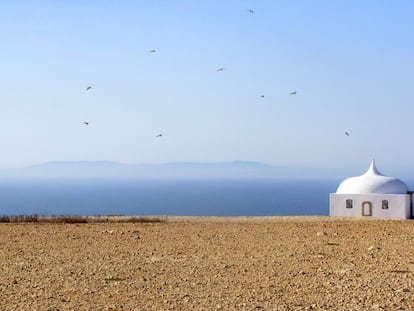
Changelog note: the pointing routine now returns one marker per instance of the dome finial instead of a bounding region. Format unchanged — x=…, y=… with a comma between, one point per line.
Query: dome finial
x=373, y=169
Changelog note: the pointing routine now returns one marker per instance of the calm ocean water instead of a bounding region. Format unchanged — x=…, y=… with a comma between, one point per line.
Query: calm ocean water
x=168, y=197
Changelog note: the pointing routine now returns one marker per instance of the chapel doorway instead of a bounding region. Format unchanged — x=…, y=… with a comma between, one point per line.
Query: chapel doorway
x=366, y=208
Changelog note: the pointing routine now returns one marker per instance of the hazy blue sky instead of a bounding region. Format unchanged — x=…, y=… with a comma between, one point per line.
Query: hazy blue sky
x=351, y=63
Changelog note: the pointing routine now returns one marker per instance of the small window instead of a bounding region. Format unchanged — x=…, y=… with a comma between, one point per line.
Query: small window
x=348, y=203
x=384, y=204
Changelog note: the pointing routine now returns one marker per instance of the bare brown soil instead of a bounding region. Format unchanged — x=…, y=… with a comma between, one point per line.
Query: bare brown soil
x=270, y=263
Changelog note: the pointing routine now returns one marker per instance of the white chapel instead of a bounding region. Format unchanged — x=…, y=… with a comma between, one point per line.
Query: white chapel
x=371, y=195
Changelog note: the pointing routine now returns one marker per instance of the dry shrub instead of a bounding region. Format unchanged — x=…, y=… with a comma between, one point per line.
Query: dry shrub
x=19, y=218
x=4, y=219
x=28, y=218
x=79, y=219
x=67, y=219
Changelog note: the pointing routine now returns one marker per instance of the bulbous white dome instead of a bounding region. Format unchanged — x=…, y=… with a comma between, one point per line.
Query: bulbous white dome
x=372, y=182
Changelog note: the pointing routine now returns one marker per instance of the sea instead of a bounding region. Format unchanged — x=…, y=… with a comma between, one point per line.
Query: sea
x=91, y=197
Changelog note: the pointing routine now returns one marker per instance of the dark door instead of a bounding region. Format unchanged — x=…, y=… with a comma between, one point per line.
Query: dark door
x=366, y=208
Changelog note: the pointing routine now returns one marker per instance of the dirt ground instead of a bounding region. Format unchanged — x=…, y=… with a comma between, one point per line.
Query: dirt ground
x=265, y=263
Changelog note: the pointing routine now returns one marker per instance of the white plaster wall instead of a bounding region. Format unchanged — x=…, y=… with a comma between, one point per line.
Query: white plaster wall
x=398, y=205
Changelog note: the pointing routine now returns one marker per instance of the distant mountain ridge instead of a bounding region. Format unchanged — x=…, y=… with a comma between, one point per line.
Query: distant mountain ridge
x=170, y=170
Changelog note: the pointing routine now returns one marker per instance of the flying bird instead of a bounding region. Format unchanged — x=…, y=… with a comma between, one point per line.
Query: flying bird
x=346, y=133
x=251, y=11
x=86, y=123
x=88, y=88
x=292, y=93
x=152, y=51
x=262, y=96
x=220, y=69
x=159, y=135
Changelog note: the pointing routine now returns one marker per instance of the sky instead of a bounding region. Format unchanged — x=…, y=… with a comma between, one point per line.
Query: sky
x=350, y=63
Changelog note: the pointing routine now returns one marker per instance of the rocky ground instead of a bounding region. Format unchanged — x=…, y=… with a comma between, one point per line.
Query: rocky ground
x=270, y=263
